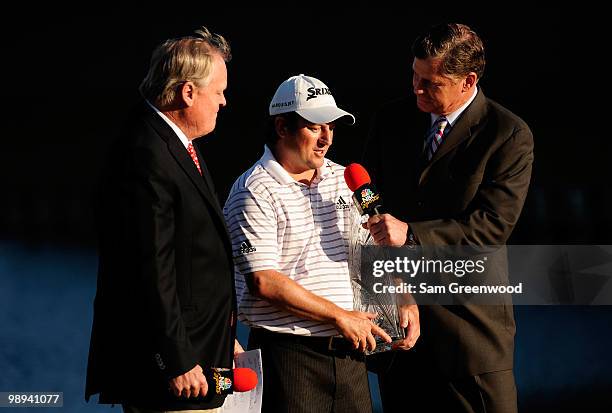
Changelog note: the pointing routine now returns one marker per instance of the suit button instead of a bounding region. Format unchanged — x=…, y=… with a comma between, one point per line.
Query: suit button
x=160, y=362
x=420, y=204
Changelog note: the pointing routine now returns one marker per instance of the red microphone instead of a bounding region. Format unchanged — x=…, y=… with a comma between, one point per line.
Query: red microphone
x=365, y=195
x=227, y=381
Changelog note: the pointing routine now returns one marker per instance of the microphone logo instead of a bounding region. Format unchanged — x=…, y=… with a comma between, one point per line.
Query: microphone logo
x=367, y=198
x=222, y=383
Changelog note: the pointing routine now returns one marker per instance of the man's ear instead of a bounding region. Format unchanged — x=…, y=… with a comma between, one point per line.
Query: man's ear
x=187, y=93
x=280, y=125
x=470, y=81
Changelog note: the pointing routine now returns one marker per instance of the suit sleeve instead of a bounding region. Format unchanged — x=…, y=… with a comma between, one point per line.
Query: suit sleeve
x=496, y=207
x=152, y=213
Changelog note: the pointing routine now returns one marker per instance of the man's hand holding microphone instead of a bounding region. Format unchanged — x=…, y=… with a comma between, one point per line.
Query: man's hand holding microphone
x=197, y=382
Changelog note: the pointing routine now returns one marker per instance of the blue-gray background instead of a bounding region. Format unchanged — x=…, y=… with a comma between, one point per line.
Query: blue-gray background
x=71, y=76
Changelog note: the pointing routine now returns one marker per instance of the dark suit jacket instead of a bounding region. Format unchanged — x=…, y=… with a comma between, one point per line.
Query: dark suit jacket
x=165, y=297
x=470, y=193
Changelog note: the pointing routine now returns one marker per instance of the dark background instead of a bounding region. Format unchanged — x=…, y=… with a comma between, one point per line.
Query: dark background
x=71, y=76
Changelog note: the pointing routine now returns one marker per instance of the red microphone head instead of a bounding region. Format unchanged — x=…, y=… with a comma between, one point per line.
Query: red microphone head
x=356, y=176
x=245, y=379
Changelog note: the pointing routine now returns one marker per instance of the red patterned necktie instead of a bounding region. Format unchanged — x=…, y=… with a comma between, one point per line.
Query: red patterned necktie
x=436, y=135
x=194, y=156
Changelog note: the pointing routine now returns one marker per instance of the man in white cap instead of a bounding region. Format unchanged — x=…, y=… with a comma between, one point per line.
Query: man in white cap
x=288, y=217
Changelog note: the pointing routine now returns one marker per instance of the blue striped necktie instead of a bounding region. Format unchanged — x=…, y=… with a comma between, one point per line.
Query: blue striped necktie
x=436, y=136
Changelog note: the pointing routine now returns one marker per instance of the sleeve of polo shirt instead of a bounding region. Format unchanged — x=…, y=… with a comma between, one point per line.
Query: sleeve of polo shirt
x=252, y=223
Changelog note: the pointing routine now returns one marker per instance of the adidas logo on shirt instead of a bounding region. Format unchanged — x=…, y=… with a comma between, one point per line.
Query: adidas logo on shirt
x=341, y=203
x=246, y=247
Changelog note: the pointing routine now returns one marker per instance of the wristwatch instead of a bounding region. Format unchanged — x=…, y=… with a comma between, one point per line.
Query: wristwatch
x=411, y=240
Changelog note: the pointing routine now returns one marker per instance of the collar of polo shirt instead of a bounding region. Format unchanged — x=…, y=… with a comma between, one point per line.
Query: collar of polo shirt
x=279, y=173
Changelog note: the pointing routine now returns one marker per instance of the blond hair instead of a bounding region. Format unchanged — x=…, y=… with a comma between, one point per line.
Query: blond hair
x=180, y=60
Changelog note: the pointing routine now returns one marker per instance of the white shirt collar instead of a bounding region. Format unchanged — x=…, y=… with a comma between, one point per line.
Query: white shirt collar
x=276, y=170
x=452, y=117
x=181, y=135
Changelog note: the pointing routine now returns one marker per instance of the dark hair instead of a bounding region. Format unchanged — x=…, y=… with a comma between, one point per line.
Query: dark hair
x=459, y=47
x=292, y=119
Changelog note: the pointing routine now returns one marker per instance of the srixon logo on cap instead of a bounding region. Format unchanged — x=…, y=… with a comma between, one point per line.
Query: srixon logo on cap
x=313, y=92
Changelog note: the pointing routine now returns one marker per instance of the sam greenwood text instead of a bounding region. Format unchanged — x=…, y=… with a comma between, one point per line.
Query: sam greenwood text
x=452, y=288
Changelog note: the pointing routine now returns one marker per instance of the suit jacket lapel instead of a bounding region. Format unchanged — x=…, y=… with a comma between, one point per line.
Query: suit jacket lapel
x=423, y=130
x=461, y=131
x=205, y=171
x=203, y=183
x=209, y=182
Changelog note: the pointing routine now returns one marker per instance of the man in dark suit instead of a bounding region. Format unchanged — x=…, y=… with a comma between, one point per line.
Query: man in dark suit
x=454, y=172
x=165, y=302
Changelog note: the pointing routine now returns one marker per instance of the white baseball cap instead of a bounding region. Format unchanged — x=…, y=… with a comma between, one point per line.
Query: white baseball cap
x=308, y=97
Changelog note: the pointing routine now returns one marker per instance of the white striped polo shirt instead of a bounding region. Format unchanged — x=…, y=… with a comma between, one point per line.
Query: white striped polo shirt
x=277, y=223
